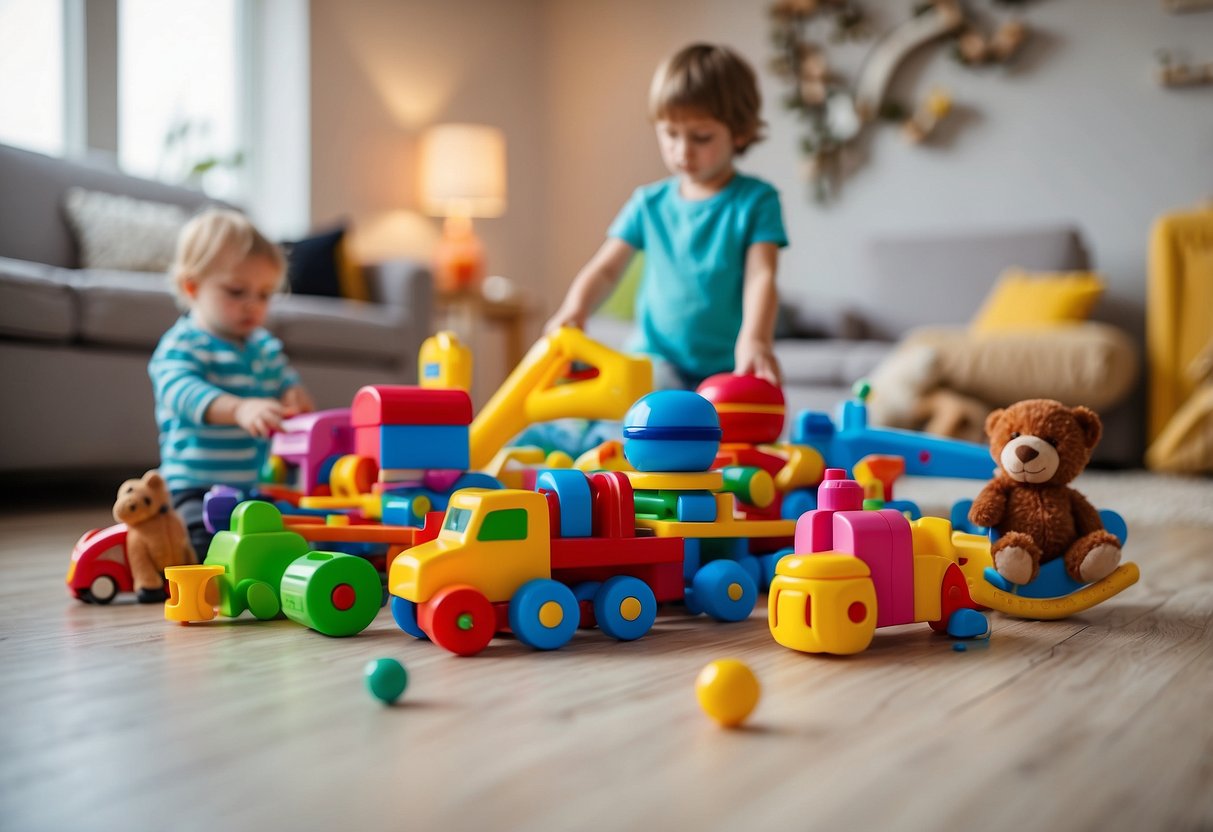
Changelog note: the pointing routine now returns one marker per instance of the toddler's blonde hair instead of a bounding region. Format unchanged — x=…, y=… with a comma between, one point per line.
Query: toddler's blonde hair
x=713, y=80
x=216, y=239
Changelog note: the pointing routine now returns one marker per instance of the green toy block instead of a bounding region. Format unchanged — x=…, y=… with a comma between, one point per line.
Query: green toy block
x=255, y=555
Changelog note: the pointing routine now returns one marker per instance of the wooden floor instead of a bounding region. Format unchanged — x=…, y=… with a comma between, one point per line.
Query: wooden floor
x=111, y=718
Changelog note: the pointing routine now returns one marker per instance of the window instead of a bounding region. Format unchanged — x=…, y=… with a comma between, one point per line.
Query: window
x=31, y=75
x=178, y=98
x=504, y=524
x=457, y=519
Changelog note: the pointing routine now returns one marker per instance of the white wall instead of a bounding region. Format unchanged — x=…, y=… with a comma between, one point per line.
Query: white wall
x=1079, y=131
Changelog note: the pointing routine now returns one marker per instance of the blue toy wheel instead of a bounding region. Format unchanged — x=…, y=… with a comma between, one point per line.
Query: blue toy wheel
x=753, y=568
x=625, y=608
x=404, y=613
x=725, y=591
x=544, y=614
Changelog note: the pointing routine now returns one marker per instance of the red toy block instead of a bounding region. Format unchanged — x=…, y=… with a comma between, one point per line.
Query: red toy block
x=393, y=404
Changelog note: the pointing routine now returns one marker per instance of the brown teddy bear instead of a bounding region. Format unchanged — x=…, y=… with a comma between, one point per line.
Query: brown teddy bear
x=1040, y=445
x=155, y=535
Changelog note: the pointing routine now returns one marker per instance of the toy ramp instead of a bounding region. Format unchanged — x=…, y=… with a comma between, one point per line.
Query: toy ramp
x=1051, y=609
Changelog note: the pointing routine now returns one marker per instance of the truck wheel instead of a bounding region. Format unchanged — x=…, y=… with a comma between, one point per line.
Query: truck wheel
x=725, y=591
x=101, y=591
x=459, y=619
x=332, y=593
x=625, y=608
x=544, y=614
x=404, y=613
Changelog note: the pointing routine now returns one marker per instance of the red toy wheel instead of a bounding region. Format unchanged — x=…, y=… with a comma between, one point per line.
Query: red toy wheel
x=460, y=619
x=953, y=595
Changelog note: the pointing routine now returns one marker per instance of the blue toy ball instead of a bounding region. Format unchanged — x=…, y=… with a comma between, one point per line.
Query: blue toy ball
x=671, y=430
x=386, y=679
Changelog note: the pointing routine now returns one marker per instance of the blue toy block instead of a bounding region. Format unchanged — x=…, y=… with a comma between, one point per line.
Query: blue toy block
x=424, y=447
x=572, y=489
x=697, y=507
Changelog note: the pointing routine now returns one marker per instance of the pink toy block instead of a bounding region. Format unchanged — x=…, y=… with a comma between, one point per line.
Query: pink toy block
x=814, y=529
x=865, y=534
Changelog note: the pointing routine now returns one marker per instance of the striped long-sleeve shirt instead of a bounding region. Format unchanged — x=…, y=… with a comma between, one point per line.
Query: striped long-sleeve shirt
x=190, y=369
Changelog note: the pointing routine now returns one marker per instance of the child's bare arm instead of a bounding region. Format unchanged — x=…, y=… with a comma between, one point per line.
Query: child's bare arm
x=755, y=350
x=260, y=417
x=592, y=284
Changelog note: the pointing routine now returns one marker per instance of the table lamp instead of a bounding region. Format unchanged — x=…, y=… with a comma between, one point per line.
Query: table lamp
x=462, y=177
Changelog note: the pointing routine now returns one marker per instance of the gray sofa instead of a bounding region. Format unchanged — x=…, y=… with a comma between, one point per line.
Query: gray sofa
x=74, y=343
x=928, y=288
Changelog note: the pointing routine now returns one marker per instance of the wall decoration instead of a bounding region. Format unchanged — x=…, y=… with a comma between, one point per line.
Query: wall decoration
x=835, y=112
x=1176, y=71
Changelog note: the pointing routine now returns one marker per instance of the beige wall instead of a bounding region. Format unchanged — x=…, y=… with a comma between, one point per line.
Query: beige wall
x=1078, y=131
x=382, y=71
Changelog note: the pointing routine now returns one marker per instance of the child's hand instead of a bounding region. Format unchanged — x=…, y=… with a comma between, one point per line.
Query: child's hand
x=260, y=417
x=566, y=315
x=757, y=358
x=297, y=400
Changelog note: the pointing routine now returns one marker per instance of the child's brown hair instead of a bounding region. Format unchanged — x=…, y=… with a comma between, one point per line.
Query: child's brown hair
x=713, y=80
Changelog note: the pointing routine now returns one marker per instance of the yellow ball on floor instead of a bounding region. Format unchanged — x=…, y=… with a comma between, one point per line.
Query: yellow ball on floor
x=728, y=691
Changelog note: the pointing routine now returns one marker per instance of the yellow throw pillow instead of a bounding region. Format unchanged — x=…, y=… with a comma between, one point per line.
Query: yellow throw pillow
x=1023, y=300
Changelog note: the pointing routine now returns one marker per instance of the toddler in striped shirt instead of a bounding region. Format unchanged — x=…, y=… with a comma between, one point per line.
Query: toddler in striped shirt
x=222, y=382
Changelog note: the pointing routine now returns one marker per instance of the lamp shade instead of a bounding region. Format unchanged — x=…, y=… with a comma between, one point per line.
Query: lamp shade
x=463, y=171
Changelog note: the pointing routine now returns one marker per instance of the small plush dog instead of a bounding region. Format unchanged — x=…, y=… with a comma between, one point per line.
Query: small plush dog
x=155, y=535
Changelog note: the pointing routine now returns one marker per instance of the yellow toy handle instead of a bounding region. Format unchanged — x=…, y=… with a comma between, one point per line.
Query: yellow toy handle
x=1051, y=609
x=535, y=392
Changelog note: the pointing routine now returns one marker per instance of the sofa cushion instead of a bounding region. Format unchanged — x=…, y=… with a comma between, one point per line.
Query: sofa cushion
x=36, y=301
x=128, y=309
x=114, y=231
x=32, y=227
x=828, y=363
x=328, y=328
x=922, y=280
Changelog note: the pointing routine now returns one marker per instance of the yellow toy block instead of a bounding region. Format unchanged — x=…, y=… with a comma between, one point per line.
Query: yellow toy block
x=822, y=603
x=540, y=390
x=371, y=505
x=445, y=362
x=187, y=588
x=677, y=481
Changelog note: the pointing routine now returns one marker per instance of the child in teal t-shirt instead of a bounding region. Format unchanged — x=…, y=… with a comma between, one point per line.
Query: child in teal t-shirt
x=711, y=236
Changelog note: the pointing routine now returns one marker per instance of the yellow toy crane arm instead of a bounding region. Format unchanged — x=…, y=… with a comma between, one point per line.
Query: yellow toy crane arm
x=537, y=392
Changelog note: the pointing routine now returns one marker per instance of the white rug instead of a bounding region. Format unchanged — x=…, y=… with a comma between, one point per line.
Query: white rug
x=1139, y=496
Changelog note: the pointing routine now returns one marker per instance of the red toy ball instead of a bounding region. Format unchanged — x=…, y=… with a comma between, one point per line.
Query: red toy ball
x=751, y=409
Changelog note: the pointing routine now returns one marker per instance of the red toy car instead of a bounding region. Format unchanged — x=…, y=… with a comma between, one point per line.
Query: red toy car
x=99, y=570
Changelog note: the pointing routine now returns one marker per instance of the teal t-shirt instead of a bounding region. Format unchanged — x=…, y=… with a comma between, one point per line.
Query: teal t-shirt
x=688, y=309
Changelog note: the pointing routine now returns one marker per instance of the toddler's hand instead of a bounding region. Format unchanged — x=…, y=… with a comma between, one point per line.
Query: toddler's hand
x=297, y=400
x=566, y=315
x=260, y=417
x=758, y=359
